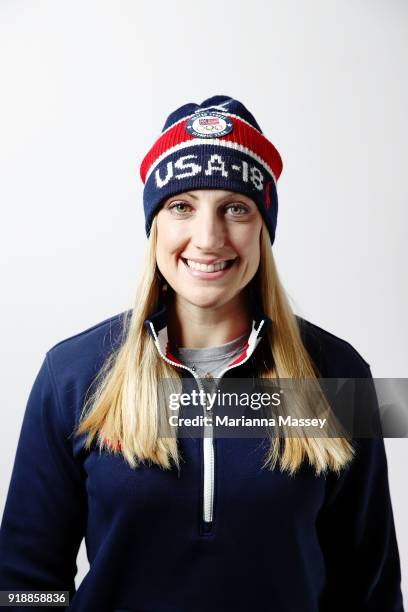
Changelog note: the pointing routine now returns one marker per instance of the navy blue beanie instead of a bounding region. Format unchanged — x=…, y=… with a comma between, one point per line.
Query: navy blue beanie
x=216, y=144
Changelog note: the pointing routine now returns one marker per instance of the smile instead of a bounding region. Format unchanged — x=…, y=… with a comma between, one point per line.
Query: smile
x=213, y=271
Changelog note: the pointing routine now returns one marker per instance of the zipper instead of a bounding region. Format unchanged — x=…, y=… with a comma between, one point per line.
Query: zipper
x=208, y=440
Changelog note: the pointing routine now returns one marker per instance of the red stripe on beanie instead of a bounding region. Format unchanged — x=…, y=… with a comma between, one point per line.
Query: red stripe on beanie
x=268, y=194
x=243, y=134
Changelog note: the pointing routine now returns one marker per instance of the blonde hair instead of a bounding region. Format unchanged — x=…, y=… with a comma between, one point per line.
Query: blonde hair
x=123, y=413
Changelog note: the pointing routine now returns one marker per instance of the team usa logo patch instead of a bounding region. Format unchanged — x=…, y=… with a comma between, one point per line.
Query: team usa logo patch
x=209, y=125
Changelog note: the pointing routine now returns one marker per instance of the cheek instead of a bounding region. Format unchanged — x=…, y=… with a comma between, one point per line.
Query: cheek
x=169, y=229
x=249, y=248
x=169, y=244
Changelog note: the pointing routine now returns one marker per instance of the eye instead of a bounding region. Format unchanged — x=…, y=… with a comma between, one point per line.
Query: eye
x=176, y=207
x=238, y=207
x=182, y=208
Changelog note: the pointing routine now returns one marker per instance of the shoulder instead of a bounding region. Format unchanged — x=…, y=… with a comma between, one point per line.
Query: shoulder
x=75, y=361
x=101, y=336
x=334, y=356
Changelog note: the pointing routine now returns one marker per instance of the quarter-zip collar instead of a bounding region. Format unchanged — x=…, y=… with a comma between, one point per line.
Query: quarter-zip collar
x=157, y=326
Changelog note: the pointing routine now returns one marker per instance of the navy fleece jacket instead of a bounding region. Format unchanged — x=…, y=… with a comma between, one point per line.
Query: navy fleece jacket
x=276, y=543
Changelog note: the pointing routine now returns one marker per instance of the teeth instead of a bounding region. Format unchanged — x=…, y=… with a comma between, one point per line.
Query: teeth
x=204, y=268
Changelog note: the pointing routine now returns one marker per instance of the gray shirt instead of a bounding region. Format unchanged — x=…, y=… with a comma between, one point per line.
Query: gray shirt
x=212, y=359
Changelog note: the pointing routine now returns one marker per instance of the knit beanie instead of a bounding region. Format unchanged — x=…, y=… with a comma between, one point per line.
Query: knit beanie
x=216, y=144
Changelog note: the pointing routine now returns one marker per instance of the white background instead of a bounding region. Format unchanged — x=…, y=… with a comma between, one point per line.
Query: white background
x=85, y=90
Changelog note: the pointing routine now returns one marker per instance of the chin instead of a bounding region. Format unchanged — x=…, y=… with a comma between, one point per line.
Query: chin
x=206, y=298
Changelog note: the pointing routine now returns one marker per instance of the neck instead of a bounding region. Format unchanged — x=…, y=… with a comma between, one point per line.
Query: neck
x=192, y=326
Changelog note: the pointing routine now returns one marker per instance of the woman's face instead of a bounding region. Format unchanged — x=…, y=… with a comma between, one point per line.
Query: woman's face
x=205, y=227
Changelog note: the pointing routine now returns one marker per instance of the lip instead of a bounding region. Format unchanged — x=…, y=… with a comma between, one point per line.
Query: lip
x=199, y=274
x=207, y=261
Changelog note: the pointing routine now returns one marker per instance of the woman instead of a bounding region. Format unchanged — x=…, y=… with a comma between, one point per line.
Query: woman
x=198, y=521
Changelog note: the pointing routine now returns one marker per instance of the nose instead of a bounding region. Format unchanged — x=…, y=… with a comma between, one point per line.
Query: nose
x=208, y=231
